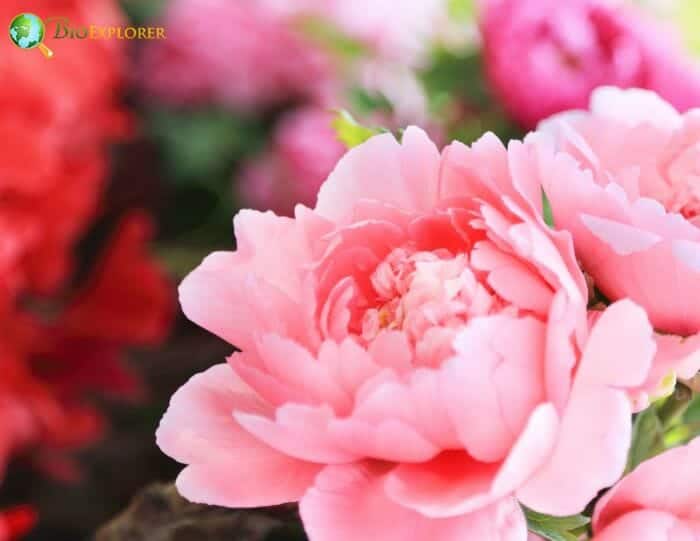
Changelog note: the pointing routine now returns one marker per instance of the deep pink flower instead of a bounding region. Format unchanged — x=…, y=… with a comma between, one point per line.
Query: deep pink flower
x=634, y=214
x=415, y=354
x=656, y=502
x=546, y=56
x=304, y=151
x=234, y=53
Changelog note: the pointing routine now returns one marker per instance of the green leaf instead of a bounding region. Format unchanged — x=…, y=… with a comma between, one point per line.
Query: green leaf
x=547, y=210
x=682, y=434
x=456, y=75
x=555, y=528
x=364, y=102
x=202, y=146
x=351, y=132
x=692, y=414
x=461, y=10
x=647, y=437
x=689, y=426
x=688, y=19
x=141, y=12
x=331, y=38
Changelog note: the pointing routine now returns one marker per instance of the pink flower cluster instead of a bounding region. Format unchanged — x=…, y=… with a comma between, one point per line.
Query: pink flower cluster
x=253, y=55
x=419, y=355
x=231, y=52
x=546, y=56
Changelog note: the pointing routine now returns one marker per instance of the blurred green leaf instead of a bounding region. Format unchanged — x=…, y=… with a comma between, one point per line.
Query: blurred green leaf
x=331, y=38
x=202, y=146
x=143, y=11
x=351, y=132
x=688, y=19
x=547, y=210
x=461, y=10
x=456, y=75
x=555, y=528
x=364, y=102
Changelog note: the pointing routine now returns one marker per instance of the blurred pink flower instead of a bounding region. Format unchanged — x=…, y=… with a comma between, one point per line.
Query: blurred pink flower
x=656, y=502
x=304, y=151
x=415, y=354
x=232, y=52
x=547, y=56
x=634, y=215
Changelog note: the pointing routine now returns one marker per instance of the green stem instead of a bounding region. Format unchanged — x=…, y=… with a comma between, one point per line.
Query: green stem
x=675, y=405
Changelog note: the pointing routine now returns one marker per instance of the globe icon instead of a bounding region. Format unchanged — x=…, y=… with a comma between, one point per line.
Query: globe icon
x=27, y=32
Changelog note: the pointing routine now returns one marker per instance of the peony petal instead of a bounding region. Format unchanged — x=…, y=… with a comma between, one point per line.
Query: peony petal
x=450, y=485
x=668, y=482
x=530, y=452
x=687, y=252
x=620, y=349
x=299, y=431
x=227, y=465
x=596, y=425
x=498, y=362
x=624, y=239
x=392, y=439
x=594, y=436
x=348, y=503
x=225, y=299
x=647, y=525
x=403, y=175
x=635, y=106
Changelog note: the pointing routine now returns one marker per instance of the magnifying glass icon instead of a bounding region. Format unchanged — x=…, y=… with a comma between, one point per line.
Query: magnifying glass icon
x=27, y=31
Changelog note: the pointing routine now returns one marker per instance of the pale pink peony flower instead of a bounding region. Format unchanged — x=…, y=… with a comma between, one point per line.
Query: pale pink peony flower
x=634, y=215
x=415, y=354
x=656, y=502
x=547, y=56
x=304, y=151
x=231, y=52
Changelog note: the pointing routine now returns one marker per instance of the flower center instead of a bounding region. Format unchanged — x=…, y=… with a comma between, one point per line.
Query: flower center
x=424, y=294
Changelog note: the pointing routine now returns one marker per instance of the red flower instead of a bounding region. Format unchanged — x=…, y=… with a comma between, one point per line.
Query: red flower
x=55, y=120
x=128, y=301
x=16, y=522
